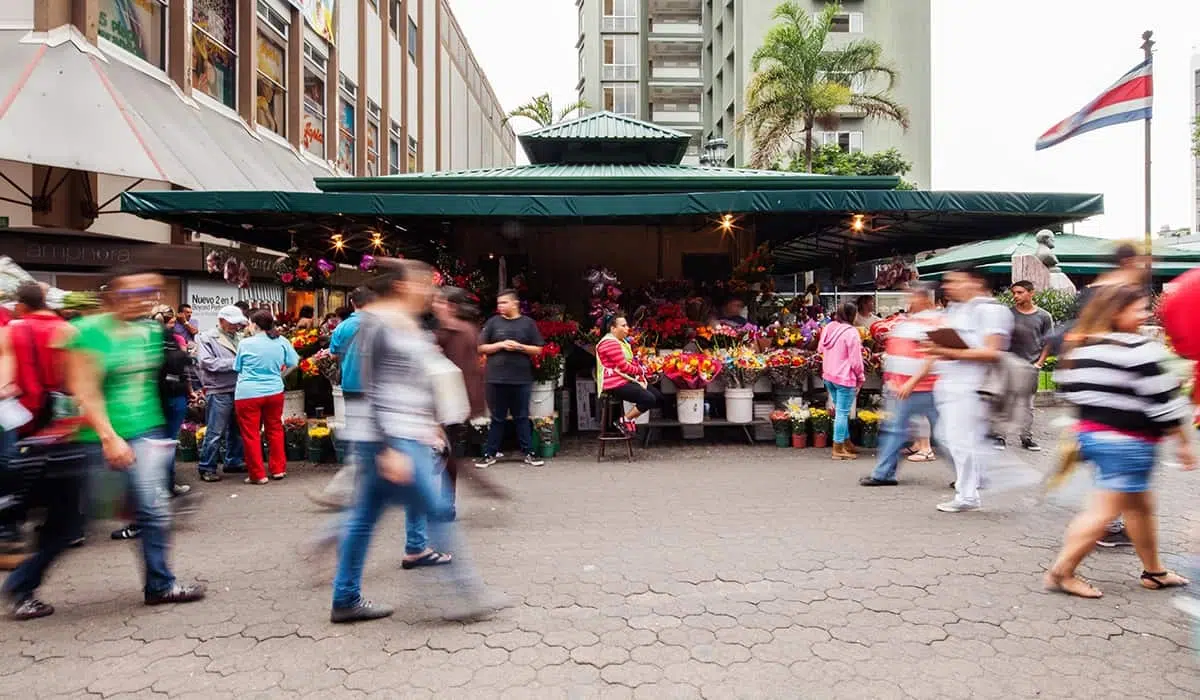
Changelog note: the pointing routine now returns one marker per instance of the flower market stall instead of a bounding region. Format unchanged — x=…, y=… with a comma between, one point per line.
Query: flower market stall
x=605, y=217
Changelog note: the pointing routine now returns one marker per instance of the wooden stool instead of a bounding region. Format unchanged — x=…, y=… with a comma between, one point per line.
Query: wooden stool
x=610, y=406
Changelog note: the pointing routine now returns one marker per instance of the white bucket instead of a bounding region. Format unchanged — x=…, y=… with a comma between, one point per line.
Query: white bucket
x=541, y=400
x=690, y=404
x=643, y=419
x=739, y=405
x=293, y=404
x=339, y=409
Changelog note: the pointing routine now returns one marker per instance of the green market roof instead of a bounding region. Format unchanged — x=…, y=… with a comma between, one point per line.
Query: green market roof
x=604, y=168
x=1078, y=255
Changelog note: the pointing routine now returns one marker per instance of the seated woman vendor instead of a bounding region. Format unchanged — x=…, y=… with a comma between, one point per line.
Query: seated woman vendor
x=619, y=374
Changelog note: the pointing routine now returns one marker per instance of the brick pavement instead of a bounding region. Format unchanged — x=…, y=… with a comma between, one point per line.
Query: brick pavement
x=715, y=572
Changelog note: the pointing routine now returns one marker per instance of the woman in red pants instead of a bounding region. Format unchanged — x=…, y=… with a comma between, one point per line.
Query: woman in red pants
x=261, y=362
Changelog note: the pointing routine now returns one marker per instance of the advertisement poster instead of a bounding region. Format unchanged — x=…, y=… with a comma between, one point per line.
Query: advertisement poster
x=345, y=146
x=312, y=134
x=207, y=296
x=134, y=25
x=319, y=15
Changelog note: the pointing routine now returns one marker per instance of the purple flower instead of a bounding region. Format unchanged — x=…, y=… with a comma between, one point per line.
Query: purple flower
x=325, y=266
x=367, y=263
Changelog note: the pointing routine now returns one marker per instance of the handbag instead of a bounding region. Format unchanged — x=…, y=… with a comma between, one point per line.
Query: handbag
x=451, y=404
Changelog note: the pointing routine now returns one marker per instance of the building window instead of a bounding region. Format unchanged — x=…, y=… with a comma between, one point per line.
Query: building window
x=372, y=139
x=621, y=98
x=847, y=23
x=137, y=26
x=394, y=149
x=620, y=58
x=412, y=39
x=312, y=129
x=394, y=17
x=347, y=95
x=214, y=62
x=620, y=16
x=271, y=104
x=412, y=155
x=848, y=141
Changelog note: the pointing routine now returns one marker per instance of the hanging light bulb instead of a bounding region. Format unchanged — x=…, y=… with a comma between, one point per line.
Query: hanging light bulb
x=858, y=222
x=338, y=243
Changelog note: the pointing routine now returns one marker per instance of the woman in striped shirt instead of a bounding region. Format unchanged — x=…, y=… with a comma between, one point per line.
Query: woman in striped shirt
x=1127, y=403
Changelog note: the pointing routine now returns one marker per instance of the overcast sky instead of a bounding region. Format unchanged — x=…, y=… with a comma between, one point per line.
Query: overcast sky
x=1004, y=72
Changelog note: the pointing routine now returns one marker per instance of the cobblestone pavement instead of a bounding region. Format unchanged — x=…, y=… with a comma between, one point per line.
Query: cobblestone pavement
x=715, y=572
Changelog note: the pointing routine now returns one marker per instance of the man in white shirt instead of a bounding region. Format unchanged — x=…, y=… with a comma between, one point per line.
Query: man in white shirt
x=986, y=327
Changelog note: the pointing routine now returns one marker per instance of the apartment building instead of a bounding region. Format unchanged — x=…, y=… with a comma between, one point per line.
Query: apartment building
x=686, y=63
x=101, y=96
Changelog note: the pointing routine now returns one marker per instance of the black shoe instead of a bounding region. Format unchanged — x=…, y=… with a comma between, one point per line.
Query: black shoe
x=129, y=532
x=485, y=461
x=1115, y=539
x=176, y=594
x=1030, y=445
x=362, y=612
x=999, y=443
x=30, y=609
x=532, y=460
x=872, y=481
x=209, y=476
x=76, y=542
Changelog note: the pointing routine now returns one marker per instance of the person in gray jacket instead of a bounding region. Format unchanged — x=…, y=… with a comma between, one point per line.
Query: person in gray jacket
x=216, y=349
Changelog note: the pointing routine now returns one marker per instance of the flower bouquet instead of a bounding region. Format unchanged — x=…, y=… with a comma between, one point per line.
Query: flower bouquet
x=788, y=369
x=328, y=366
x=320, y=444
x=822, y=424
x=872, y=363
x=799, y=415
x=561, y=332
x=306, y=342
x=781, y=423
x=743, y=367
x=548, y=366
x=691, y=370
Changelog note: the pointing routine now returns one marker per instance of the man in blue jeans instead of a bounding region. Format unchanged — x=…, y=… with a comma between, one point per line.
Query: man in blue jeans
x=510, y=341
x=216, y=349
x=396, y=464
x=908, y=372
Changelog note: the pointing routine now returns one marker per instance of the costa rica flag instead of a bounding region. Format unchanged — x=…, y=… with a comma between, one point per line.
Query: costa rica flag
x=1129, y=99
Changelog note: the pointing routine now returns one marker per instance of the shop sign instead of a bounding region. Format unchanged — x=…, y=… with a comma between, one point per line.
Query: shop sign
x=208, y=296
x=76, y=254
x=259, y=264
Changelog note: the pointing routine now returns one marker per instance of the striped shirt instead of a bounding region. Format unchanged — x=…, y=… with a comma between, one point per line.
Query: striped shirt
x=1119, y=382
x=903, y=358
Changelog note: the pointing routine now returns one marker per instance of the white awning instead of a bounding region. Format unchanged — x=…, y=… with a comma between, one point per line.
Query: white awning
x=64, y=104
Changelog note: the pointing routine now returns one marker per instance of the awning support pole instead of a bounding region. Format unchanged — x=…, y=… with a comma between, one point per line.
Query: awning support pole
x=115, y=197
x=17, y=187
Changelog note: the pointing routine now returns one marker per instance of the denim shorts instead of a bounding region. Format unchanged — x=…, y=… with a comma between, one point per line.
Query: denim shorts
x=1122, y=463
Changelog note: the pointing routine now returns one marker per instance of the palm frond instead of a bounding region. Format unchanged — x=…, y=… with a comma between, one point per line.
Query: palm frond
x=881, y=106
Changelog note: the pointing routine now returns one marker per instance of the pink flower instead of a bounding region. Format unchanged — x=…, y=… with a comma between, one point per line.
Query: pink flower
x=286, y=278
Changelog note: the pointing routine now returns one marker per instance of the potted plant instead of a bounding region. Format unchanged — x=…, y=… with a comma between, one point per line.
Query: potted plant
x=691, y=372
x=546, y=432
x=870, y=427
x=781, y=423
x=799, y=417
x=189, y=443
x=320, y=444
x=821, y=423
x=295, y=439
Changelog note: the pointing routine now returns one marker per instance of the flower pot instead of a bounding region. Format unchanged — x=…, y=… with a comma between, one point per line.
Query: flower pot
x=739, y=405
x=820, y=440
x=799, y=440
x=294, y=451
x=541, y=400
x=783, y=438
x=186, y=454
x=690, y=404
x=547, y=450
x=643, y=419
x=293, y=404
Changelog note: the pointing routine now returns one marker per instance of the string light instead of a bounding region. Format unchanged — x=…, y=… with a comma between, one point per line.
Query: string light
x=858, y=223
x=338, y=243
x=377, y=239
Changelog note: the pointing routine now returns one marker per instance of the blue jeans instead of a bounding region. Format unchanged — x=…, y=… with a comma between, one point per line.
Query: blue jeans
x=63, y=494
x=221, y=426
x=174, y=410
x=12, y=514
x=1123, y=464
x=503, y=399
x=424, y=497
x=895, y=430
x=147, y=493
x=416, y=532
x=843, y=400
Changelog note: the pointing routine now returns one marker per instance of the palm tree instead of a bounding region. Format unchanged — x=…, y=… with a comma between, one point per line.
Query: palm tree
x=798, y=84
x=540, y=110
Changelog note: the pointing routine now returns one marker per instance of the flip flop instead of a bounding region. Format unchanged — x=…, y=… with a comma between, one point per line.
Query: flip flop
x=427, y=559
x=1154, y=581
x=927, y=456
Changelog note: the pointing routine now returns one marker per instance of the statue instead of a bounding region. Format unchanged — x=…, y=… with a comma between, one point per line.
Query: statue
x=1045, y=250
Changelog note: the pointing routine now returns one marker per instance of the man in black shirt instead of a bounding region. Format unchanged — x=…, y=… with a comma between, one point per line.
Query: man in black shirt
x=510, y=341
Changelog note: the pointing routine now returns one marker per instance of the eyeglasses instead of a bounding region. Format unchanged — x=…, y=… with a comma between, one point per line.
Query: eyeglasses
x=136, y=291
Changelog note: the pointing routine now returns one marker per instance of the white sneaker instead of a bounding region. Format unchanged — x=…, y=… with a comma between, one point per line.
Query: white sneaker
x=956, y=507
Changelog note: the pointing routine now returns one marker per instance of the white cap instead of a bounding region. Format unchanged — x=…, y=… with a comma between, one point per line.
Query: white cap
x=232, y=314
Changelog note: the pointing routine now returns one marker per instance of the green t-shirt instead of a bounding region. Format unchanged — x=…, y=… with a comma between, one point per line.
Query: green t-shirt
x=128, y=356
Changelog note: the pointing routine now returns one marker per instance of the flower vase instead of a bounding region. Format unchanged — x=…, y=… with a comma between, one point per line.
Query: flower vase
x=820, y=440
x=799, y=440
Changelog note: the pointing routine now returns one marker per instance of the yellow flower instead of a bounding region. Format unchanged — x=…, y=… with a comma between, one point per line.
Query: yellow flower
x=318, y=433
x=200, y=433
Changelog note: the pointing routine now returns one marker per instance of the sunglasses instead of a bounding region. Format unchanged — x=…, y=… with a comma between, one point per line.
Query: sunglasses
x=136, y=291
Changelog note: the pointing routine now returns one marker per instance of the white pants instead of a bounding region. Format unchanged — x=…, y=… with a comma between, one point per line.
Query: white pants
x=963, y=428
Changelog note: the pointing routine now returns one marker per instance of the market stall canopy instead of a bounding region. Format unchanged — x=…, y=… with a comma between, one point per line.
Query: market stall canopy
x=603, y=177
x=1077, y=255
x=65, y=104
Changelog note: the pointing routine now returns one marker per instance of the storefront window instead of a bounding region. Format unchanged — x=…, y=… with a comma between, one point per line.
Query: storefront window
x=271, y=104
x=372, y=148
x=346, y=122
x=412, y=155
x=394, y=149
x=137, y=26
x=312, y=122
x=214, y=62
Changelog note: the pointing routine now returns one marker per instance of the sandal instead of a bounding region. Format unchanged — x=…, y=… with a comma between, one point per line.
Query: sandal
x=1158, y=581
x=926, y=456
x=908, y=450
x=430, y=558
x=256, y=482
x=1072, y=585
x=279, y=476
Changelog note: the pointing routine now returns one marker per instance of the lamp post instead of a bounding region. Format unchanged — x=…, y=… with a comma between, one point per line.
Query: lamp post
x=714, y=153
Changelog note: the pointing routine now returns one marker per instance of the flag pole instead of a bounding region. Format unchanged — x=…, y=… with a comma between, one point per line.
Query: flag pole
x=1148, y=48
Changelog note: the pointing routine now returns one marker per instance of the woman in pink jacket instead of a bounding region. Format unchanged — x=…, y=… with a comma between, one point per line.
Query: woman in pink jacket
x=842, y=362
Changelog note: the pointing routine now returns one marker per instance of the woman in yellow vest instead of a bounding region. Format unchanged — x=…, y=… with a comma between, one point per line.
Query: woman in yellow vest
x=619, y=374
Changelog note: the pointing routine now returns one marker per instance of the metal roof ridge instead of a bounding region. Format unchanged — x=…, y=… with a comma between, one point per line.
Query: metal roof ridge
x=661, y=132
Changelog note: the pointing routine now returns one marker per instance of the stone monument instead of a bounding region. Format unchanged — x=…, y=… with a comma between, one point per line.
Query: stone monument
x=1045, y=253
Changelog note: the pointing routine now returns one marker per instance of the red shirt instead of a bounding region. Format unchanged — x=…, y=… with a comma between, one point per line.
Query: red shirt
x=40, y=365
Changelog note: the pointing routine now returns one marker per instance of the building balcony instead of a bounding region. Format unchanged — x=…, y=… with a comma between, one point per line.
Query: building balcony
x=616, y=72
x=675, y=114
x=684, y=73
x=675, y=6
x=619, y=25
x=676, y=28
x=675, y=92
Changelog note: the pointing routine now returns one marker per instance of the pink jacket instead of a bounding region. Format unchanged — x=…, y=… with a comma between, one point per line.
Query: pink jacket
x=842, y=361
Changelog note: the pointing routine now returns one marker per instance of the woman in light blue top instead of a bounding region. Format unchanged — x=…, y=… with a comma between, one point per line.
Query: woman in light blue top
x=262, y=361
